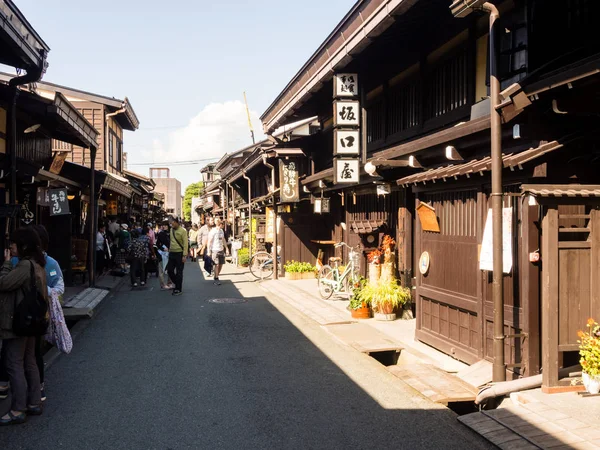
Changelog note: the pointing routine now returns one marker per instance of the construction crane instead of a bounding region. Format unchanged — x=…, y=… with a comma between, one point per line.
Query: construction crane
x=249, y=120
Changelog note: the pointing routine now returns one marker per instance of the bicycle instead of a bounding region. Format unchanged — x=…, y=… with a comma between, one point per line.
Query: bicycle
x=261, y=265
x=330, y=281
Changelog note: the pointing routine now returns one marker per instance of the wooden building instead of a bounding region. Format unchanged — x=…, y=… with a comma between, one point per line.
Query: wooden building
x=423, y=79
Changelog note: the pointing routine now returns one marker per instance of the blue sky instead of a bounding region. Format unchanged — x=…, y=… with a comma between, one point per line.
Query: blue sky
x=183, y=64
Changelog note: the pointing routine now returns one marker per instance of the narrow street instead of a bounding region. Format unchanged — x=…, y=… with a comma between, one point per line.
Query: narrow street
x=153, y=371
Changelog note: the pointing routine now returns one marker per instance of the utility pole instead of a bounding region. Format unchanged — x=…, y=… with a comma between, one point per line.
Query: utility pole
x=249, y=120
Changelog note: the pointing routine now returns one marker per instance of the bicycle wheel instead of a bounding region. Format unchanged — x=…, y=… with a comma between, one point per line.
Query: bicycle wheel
x=326, y=281
x=261, y=265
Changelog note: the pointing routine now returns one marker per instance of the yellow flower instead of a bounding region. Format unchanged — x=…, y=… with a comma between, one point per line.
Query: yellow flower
x=591, y=322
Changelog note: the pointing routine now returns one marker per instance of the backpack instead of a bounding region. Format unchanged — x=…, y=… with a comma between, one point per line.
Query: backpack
x=31, y=315
x=124, y=240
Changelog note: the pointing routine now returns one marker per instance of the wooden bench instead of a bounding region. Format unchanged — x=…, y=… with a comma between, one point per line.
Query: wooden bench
x=83, y=304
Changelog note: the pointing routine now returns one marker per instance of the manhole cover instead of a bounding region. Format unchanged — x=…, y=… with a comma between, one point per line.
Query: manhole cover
x=227, y=300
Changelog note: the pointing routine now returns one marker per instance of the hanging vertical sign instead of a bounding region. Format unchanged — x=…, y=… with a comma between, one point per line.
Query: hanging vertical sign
x=346, y=170
x=345, y=85
x=345, y=113
x=347, y=142
x=270, y=229
x=346, y=134
x=59, y=203
x=288, y=179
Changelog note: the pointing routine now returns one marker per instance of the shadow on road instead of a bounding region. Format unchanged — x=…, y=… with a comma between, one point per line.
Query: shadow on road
x=154, y=371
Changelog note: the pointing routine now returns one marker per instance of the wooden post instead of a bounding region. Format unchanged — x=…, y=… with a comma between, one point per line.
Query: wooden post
x=550, y=298
x=529, y=289
x=595, y=263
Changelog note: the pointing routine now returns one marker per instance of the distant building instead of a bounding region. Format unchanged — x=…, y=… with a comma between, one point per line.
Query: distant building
x=171, y=187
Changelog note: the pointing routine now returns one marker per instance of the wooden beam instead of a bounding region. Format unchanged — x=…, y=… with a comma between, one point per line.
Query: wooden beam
x=550, y=275
x=441, y=137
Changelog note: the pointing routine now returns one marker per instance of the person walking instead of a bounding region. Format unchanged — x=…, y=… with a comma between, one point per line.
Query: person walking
x=162, y=250
x=138, y=255
x=203, y=240
x=124, y=238
x=19, y=351
x=177, y=255
x=193, y=239
x=101, y=246
x=217, y=245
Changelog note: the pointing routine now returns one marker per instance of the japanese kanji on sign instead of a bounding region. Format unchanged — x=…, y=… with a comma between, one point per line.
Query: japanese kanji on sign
x=345, y=85
x=346, y=113
x=59, y=204
x=288, y=179
x=346, y=170
x=346, y=142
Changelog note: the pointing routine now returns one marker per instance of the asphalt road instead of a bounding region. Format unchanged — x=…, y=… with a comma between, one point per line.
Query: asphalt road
x=152, y=371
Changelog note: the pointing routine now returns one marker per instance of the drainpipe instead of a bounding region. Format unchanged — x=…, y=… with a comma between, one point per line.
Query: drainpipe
x=275, y=265
x=462, y=8
x=249, y=212
x=14, y=83
x=499, y=368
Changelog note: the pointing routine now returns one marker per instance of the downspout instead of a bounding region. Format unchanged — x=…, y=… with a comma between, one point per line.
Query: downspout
x=14, y=83
x=275, y=265
x=499, y=368
x=249, y=212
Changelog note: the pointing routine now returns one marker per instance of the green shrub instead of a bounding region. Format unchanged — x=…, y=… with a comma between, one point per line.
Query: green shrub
x=243, y=256
x=298, y=267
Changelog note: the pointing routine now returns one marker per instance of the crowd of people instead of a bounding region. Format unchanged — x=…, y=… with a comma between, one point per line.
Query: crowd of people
x=120, y=246
x=129, y=247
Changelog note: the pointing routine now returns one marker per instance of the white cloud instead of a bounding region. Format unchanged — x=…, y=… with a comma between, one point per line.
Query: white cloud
x=218, y=129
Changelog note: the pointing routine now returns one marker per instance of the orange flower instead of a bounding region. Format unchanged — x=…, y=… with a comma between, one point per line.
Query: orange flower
x=580, y=334
x=591, y=322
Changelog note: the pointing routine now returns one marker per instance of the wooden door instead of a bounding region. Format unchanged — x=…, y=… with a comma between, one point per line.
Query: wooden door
x=449, y=295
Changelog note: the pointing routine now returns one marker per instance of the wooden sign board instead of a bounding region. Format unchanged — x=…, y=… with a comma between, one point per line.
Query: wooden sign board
x=58, y=162
x=428, y=218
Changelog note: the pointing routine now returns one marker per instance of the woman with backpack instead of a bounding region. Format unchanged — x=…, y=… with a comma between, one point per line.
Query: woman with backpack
x=16, y=286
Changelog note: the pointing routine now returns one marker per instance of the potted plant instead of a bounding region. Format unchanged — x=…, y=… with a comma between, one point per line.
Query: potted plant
x=243, y=257
x=295, y=270
x=360, y=303
x=386, y=298
x=292, y=271
x=589, y=350
x=374, y=259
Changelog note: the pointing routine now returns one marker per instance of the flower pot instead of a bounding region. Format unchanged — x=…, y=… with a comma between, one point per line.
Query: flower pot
x=385, y=317
x=591, y=383
x=374, y=273
x=361, y=313
x=308, y=275
x=293, y=276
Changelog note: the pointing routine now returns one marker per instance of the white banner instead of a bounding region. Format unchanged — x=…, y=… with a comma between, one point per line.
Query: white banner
x=486, y=257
